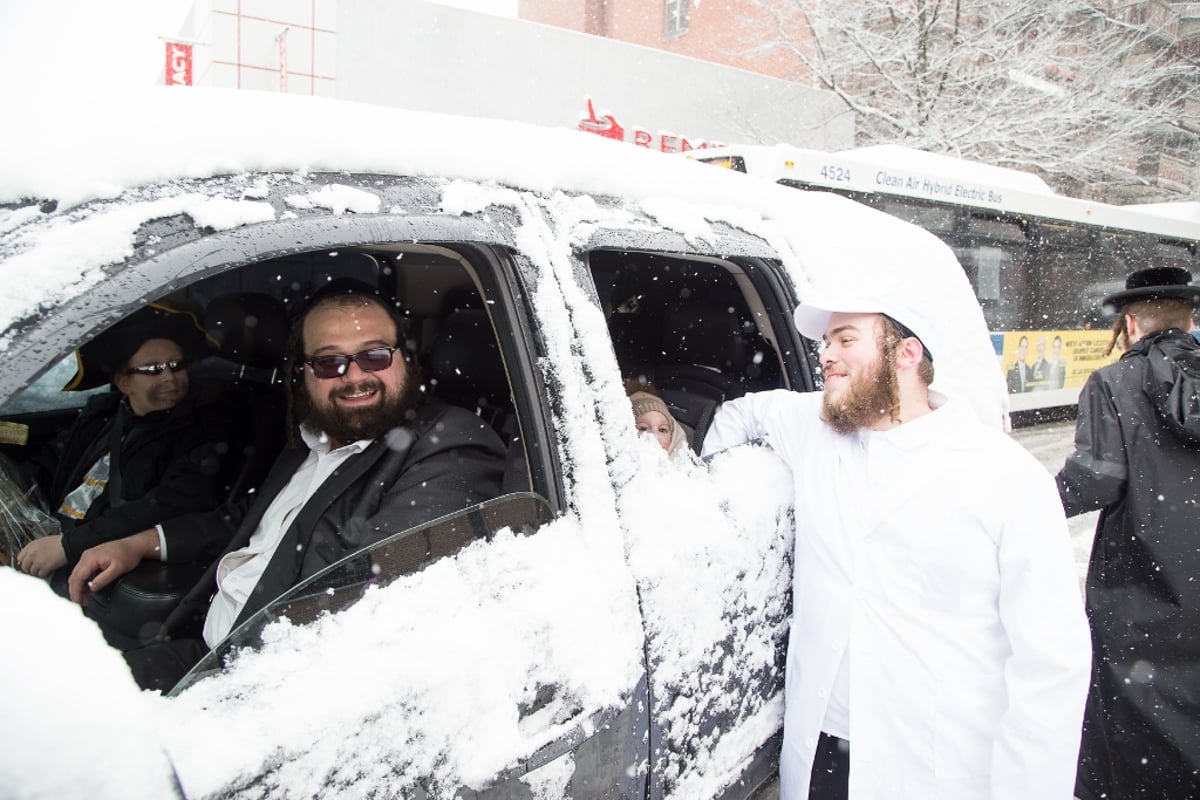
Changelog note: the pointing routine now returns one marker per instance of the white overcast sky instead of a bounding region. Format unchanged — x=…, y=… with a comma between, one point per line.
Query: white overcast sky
x=71, y=43
x=66, y=44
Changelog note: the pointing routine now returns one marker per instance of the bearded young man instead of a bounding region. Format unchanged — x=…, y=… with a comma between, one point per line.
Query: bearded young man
x=371, y=456
x=936, y=624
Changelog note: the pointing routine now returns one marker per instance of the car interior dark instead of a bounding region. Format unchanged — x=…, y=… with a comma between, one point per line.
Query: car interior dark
x=248, y=312
x=696, y=331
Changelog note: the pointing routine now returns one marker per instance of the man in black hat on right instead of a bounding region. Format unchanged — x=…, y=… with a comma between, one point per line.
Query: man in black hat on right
x=1137, y=458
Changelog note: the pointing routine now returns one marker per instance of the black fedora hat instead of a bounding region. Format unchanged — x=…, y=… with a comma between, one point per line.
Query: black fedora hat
x=96, y=361
x=1173, y=283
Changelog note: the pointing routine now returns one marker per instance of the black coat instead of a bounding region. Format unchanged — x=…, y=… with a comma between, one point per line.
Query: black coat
x=1137, y=458
x=170, y=462
x=454, y=461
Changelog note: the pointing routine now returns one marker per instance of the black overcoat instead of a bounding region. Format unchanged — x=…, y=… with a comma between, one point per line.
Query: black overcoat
x=1137, y=458
x=171, y=462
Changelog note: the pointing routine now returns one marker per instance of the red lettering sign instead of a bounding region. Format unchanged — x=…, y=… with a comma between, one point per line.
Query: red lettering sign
x=179, y=64
x=606, y=125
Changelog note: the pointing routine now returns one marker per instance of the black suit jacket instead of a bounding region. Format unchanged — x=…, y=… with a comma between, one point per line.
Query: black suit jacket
x=452, y=460
x=171, y=462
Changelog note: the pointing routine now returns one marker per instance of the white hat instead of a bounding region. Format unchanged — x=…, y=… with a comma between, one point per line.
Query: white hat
x=812, y=315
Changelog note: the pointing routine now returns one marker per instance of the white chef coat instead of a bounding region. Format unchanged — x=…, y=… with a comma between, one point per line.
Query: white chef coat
x=935, y=559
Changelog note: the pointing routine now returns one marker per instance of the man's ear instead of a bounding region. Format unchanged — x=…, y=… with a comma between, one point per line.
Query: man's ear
x=121, y=381
x=1132, y=328
x=909, y=353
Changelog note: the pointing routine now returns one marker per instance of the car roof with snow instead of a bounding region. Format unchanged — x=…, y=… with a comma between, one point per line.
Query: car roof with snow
x=54, y=163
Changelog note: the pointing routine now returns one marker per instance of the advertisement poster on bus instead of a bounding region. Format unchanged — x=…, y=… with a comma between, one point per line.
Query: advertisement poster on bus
x=1048, y=360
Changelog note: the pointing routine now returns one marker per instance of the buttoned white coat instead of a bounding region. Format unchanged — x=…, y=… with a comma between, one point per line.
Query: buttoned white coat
x=937, y=552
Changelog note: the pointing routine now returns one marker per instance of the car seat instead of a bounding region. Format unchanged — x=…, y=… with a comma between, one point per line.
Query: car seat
x=252, y=331
x=464, y=368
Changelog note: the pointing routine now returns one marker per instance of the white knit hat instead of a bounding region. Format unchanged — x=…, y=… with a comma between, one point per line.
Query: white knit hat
x=644, y=401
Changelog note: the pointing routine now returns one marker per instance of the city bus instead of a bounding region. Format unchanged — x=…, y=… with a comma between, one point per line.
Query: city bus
x=1040, y=263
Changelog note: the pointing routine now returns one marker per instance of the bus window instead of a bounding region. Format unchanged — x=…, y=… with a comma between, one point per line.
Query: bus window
x=735, y=163
x=997, y=227
x=931, y=218
x=988, y=261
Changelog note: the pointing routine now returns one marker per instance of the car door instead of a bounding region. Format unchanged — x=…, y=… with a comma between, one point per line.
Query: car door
x=511, y=664
x=583, y=751
x=709, y=543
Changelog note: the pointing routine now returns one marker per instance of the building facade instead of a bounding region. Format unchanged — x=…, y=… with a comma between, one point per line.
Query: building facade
x=431, y=57
x=713, y=32
x=1165, y=159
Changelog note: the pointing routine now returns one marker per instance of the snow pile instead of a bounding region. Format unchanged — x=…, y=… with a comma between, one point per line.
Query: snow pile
x=421, y=681
x=74, y=722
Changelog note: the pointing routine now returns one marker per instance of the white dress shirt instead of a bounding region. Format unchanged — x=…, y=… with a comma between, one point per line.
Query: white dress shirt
x=239, y=571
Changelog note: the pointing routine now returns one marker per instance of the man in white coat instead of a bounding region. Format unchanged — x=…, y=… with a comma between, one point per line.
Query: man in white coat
x=938, y=622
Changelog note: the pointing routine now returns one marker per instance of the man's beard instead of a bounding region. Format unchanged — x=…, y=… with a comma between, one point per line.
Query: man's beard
x=870, y=396
x=345, y=425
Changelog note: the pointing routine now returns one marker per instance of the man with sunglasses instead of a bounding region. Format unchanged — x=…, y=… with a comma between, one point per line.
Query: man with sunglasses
x=154, y=447
x=371, y=455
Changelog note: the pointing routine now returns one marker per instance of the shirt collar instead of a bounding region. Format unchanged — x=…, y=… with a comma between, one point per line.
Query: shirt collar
x=318, y=442
x=912, y=434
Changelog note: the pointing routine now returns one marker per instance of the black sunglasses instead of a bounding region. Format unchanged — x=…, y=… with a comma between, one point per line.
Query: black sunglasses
x=373, y=360
x=178, y=365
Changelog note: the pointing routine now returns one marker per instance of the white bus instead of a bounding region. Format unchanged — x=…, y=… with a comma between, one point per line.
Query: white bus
x=1040, y=263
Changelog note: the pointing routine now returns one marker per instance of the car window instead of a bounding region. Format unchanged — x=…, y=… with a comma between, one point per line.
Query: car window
x=694, y=331
x=46, y=393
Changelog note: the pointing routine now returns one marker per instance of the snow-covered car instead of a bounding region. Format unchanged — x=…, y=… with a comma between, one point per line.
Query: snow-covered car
x=614, y=624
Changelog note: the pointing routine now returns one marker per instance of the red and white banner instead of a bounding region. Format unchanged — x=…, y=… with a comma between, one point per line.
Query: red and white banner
x=179, y=64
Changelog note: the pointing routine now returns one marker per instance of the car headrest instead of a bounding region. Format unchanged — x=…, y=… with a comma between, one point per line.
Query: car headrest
x=705, y=336
x=464, y=360
x=250, y=327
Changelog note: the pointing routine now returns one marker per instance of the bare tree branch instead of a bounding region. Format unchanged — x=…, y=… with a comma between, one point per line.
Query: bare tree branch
x=1065, y=88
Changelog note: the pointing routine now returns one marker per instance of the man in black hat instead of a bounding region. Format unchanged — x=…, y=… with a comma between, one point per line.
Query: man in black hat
x=153, y=447
x=371, y=455
x=1137, y=458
